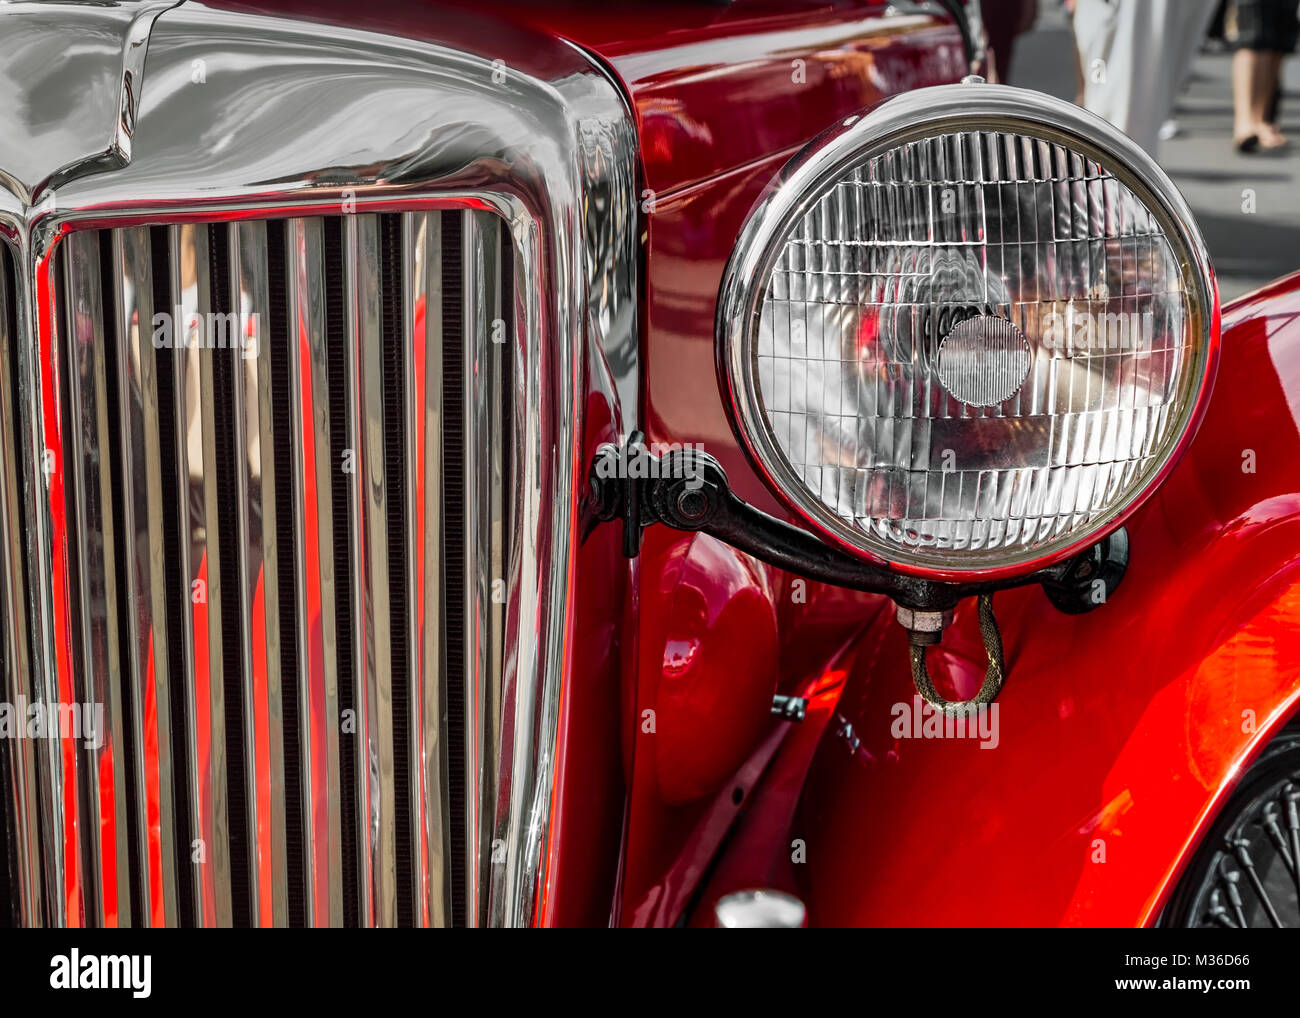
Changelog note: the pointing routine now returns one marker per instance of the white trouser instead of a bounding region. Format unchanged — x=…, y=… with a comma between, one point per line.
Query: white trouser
x=1135, y=55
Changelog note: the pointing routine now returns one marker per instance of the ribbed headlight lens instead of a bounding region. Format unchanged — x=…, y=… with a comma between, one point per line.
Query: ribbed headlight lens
x=968, y=332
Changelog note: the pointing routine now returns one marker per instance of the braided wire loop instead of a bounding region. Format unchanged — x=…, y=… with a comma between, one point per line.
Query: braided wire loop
x=993, y=678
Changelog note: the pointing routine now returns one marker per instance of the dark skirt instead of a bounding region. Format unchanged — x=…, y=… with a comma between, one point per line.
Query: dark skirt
x=1262, y=25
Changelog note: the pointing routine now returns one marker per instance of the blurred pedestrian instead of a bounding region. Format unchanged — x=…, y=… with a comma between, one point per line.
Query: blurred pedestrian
x=1134, y=55
x=1003, y=21
x=1262, y=33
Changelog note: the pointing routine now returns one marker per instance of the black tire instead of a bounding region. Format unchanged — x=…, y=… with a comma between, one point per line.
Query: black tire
x=1245, y=872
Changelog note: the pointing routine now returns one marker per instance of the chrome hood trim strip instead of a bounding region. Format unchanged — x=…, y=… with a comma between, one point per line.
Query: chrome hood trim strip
x=49, y=113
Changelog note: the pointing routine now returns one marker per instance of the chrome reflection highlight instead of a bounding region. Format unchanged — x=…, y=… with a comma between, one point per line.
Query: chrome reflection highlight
x=21, y=802
x=760, y=910
x=314, y=572
x=107, y=768
x=247, y=771
x=52, y=130
x=964, y=334
x=431, y=772
x=550, y=163
x=196, y=396
x=145, y=568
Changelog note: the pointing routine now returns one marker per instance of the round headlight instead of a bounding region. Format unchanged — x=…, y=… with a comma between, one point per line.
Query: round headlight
x=969, y=332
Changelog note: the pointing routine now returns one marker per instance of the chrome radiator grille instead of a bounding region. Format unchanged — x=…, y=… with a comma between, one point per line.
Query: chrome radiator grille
x=288, y=489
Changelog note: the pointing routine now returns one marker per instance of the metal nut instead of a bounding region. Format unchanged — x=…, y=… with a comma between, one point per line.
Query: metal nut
x=922, y=622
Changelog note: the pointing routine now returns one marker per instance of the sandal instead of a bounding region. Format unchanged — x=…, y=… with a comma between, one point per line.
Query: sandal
x=1274, y=141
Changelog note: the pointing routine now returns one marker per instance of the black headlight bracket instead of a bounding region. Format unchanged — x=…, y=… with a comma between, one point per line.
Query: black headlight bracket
x=687, y=489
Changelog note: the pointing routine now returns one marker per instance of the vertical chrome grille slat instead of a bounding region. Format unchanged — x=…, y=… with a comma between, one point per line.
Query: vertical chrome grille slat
x=259, y=593
x=495, y=442
x=422, y=283
x=201, y=558
x=314, y=565
x=395, y=383
x=107, y=769
x=22, y=802
x=143, y=546
x=373, y=652
x=485, y=574
x=62, y=836
x=185, y=636
x=478, y=790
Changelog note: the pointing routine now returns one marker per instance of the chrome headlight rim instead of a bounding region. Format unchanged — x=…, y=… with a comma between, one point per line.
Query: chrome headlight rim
x=804, y=181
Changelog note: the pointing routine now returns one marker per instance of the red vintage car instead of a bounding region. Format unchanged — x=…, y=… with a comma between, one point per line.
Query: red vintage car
x=657, y=464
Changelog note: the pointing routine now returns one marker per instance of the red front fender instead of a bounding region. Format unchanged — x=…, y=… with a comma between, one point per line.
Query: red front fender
x=1119, y=732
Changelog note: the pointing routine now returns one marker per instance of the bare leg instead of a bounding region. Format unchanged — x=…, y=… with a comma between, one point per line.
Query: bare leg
x=1254, y=77
x=1243, y=73
x=1270, y=136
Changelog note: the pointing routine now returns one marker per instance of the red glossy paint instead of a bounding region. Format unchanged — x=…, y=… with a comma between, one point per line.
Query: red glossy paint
x=762, y=851
x=719, y=114
x=723, y=95
x=586, y=831
x=696, y=218
x=719, y=661
x=590, y=785
x=1118, y=732
x=47, y=332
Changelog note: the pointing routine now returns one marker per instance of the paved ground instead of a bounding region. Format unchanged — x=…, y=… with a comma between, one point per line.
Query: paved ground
x=1247, y=249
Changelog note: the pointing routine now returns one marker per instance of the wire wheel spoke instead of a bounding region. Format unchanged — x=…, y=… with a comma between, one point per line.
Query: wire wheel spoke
x=1247, y=871
x=1291, y=797
x=1242, y=850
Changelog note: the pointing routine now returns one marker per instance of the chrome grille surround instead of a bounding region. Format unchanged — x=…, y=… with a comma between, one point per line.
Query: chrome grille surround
x=414, y=130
